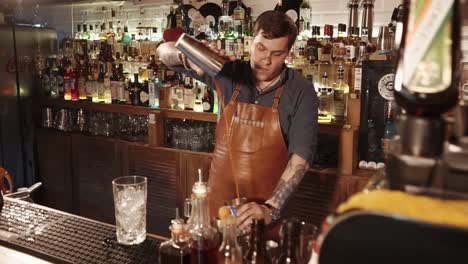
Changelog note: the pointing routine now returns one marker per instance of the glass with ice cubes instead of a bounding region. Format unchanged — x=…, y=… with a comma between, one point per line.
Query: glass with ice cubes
x=130, y=209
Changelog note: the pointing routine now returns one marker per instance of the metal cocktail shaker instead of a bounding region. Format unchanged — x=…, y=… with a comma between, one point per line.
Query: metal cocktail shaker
x=207, y=59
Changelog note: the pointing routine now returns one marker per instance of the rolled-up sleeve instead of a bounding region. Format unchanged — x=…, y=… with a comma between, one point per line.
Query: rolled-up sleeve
x=303, y=130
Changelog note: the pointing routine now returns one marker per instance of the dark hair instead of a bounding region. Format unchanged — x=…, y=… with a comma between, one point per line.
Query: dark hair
x=276, y=24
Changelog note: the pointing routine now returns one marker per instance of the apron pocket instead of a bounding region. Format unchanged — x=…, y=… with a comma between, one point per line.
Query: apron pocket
x=246, y=135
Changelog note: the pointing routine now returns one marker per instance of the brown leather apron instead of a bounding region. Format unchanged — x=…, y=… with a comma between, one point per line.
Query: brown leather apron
x=252, y=133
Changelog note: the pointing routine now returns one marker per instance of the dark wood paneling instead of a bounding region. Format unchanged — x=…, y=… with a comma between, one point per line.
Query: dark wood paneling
x=161, y=167
x=54, y=165
x=96, y=162
x=320, y=192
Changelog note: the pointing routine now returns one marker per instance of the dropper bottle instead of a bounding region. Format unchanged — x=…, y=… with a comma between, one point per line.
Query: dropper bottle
x=177, y=249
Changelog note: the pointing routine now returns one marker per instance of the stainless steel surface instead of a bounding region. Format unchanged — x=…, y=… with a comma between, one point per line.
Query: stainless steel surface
x=8, y=256
x=16, y=110
x=210, y=61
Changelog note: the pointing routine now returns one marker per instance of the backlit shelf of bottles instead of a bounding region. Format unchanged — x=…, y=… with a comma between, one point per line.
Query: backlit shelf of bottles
x=129, y=109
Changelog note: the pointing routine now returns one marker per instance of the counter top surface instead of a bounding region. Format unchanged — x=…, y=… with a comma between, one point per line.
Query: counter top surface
x=59, y=237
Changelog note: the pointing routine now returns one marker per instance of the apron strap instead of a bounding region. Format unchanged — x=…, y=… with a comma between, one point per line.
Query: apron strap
x=236, y=92
x=277, y=97
x=220, y=94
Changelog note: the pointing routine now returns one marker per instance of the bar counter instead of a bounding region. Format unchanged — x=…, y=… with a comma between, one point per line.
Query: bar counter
x=42, y=233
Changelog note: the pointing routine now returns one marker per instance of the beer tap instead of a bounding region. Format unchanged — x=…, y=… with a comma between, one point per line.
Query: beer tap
x=367, y=20
x=353, y=6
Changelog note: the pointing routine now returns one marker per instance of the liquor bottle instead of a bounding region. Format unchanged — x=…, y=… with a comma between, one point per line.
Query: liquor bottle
x=144, y=96
x=78, y=31
x=204, y=238
x=114, y=85
x=171, y=19
x=179, y=17
x=325, y=99
x=313, y=45
x=67, y=84
x=248, y=35
x=220, y=40
x=239, y=14
x=106, y=95
x=325, y=51
x=426, y=72
x=81, y=81
x=54, y=82
x=85, y=35
x=75, y=96
x=99, y=94
x=153, y=90
x=208, y=100
x=189, y=98
x=134, y=90
x=45, y=80
x=110, y=34
x=103, y=33
x=340, y=41
x=198, y=105
x=60, y=77
x=352, y=47
x=229, y=252
x=257, y=251
x=229, y=38
x=122, y=92
x=239, y=43
x=176, y=250
x=91, y=82
x=126, y=38
x=290, y=237
x=390, y=129
x=340, y=96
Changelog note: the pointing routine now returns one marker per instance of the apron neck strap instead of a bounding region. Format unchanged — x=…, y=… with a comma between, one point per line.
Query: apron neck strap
x=236, y=92
x=220, y=94
x=277, y=97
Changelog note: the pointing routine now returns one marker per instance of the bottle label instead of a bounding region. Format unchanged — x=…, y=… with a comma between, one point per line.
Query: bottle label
x=229, y=47
x=357, y=78
x=206, y=106
x=114, y=88
x=247, y=43
x=350, y=52
x=151, y=92
x=121, y=91
x=144, y=97
x=100, y=89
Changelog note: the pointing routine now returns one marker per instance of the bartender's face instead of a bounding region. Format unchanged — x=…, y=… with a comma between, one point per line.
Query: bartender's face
x=267, y=56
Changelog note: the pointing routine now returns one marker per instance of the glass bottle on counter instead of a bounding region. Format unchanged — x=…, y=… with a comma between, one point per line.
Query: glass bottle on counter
x=230, y=252
x=176, y=250
x=204, y=238
x=257, y=250
x=290, y=236
x=134, y=89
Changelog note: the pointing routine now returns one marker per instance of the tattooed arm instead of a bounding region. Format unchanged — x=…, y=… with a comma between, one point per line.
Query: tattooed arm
x=287, y=184
x=289, y=181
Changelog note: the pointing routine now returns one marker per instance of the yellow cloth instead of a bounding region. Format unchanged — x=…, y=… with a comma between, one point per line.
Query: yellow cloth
x=433, y=210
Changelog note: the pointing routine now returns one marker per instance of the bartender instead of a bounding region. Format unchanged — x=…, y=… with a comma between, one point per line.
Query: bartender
x=267, y=134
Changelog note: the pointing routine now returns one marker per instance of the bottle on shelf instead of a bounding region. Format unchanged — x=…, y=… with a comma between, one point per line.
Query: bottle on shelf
x=257, y=250
x=325, y=51
x=229, y=252
x=188, y=94
x=154, y=86
x=134, y=90
x=239, y=14
x=313, y=45
x=144, y=96
x=105, y=96
x=176, y=250
x=208, y=100
x=81, y=81
x=98, y=93
x=198, y=105
x=91, y=82
x=122, y=92
x=75, y=96
x=340, y=96
x=325, y=97
x=114, y=85
x=54, y=80
x=340, y=41
x=78, y=31
x=239, y=43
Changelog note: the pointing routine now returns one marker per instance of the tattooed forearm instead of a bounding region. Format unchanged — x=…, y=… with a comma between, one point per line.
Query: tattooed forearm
x=288, y=183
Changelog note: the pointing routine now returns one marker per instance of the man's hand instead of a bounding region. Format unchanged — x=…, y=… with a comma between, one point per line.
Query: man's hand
x=248, y=212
